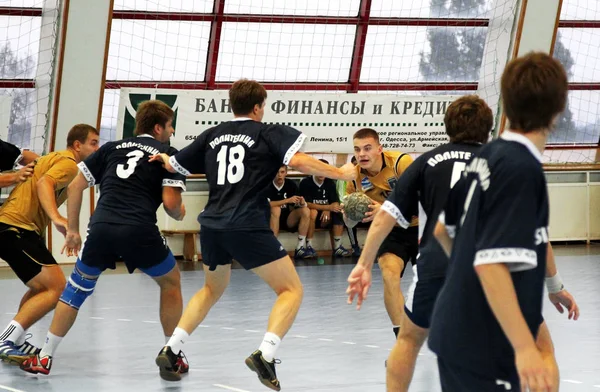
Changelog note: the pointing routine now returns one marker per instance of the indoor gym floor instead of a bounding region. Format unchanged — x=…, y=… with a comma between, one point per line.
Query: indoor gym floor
x=331, y=347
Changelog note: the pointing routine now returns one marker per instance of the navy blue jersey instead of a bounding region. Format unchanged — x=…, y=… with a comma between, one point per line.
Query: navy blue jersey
x=130, y=186
x=287, y=190
x=240, y=158
x=9, y=156
x=323, y=194
x=426, y=183
x=499, y=214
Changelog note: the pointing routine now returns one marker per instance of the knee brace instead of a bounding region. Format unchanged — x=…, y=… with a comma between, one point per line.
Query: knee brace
x=78, y=289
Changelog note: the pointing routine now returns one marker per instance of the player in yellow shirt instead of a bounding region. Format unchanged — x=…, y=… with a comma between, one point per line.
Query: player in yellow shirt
x=376, y=175
x=24, y=218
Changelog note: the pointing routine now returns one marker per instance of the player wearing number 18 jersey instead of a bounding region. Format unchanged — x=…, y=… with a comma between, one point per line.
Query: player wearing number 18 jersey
x=123, y=225
x=240, y=158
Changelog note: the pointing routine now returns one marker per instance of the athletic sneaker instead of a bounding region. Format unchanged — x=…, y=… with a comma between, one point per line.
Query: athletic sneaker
x=265, y=370
x=171, y=366
x=37, y=365
x=27, y=347
x=310, y=252
x=10, y=352
x=301, y=253
x=356, y=250
x=340, y=251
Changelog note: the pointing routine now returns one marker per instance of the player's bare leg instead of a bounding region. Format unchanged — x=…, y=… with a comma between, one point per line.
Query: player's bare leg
x=282, y=277
x=403, y=357
x=274, y=221
x=546, y=347
x=391, y=268
x=215, y=283
x=300, y=217
x=312, y=224
x=45, y=288
x=171, y=301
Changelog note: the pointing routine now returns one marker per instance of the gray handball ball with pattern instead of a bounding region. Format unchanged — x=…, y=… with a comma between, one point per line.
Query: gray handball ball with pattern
x=355, y=206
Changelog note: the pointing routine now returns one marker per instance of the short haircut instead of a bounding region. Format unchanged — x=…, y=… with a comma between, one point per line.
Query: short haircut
x=469, y=119
x=151, y=113
x=534, y=91
x=324, y=161
x=366, y=133
x=284, y=166
x=244, y=95
x=80, y=133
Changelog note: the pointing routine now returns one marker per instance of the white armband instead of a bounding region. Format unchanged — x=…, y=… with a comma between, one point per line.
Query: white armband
x=554, y=284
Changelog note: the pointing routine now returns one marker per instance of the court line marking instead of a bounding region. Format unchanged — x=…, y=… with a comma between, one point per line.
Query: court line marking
x=123, y=320
x=596, y=386
x=220, y=386
x=573, y=381
x=371, y=346
x=251, y=330
x=300, y=336
x=325, y=340
x=97, y=318
x=150, y=322
x=348, y=342
x=228, y=328
x=10, y=389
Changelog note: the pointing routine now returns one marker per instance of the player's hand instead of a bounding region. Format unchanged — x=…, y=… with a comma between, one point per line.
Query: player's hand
x=370, y=215
x=164, y=160
x=25, y=172
x=348, y=172
x=72, y=244
x=294, y=200
x=326, y=217
x=337, y=208
x=534, y=373
x=564, y=298
x=61, y=225
x=359, y=282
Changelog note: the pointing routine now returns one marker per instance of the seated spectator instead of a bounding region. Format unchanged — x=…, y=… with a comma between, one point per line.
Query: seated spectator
x=289, y=211
x=352, y=233
x=325, y=211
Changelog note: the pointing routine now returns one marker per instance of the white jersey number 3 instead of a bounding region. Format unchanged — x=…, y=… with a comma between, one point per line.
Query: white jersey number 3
x=234, y=171
x=127, y=169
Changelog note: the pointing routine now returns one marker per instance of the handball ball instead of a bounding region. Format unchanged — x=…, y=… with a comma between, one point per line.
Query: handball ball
x=355, y=206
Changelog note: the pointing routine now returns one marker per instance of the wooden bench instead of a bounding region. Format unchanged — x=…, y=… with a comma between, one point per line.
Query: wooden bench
x=190, y=242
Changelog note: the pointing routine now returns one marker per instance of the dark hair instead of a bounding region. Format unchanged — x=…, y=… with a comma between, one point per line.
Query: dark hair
x=151, y=113
x=353, y=160
x=244, y=95
x=366, y=133
x=469, y=119
x=324, y=161
x=534, y=90
x=80, y=133
x=286, y=168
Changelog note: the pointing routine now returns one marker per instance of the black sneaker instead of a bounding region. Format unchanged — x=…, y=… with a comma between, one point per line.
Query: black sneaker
x=264, y=369
x=167, y=362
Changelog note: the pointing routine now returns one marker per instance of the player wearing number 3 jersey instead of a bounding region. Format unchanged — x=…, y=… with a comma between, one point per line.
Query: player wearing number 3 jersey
x=123, y=225
x=240, y=159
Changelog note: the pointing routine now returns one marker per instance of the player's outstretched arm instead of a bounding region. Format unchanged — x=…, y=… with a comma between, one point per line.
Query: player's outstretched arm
x=499, y=290
x=9, y=179
x=28, y=157
x=441, y=235
x=556, y=290
x=46, y=194
x=75, y=198
x=360, y=278
x=164, y=160
x=308, y=165
x=173, y=202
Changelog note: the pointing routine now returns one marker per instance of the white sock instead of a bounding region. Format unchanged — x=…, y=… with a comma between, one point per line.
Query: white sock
x=309, y=242
x=52, y=342
x=301, y=241
x=269, y=346
x=177, y=340
x=337, y=242
x=12, y=332
x=22, y=338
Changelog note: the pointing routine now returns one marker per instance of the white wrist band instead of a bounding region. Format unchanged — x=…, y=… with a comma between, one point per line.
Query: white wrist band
x=554, y=284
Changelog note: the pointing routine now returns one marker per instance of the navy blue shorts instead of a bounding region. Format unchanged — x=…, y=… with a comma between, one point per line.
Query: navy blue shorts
x=141, y=247
x=250, y=248
x=403, y=243
x=421, y=299
x=454, y=379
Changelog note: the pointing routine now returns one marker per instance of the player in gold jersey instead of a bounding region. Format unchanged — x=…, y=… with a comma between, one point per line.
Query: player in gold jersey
x=376, y=175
